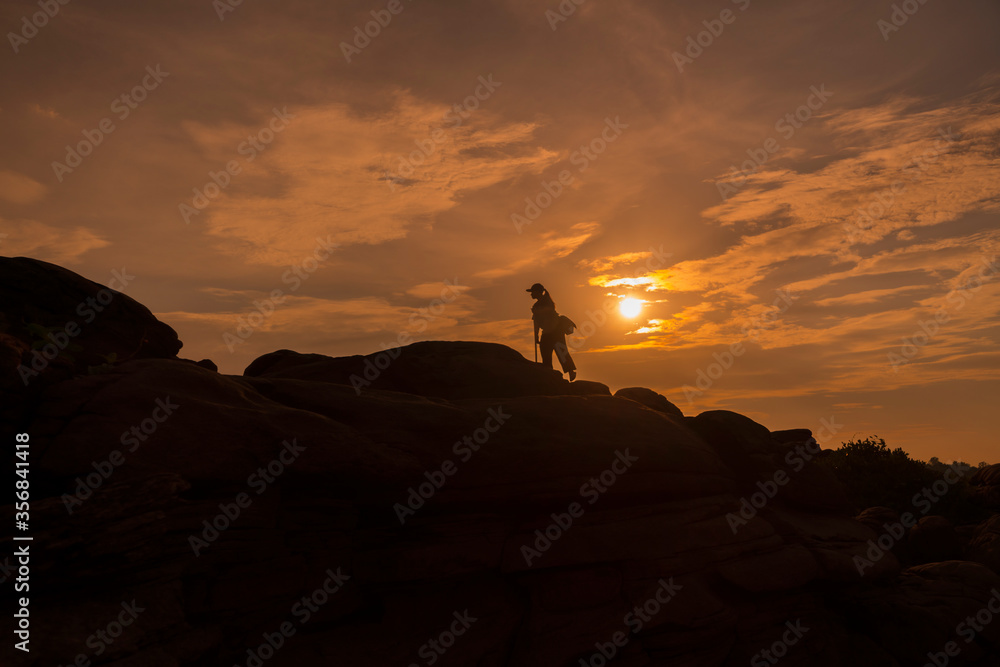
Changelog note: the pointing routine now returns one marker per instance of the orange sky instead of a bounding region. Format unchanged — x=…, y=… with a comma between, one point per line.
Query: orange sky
x=406, y=171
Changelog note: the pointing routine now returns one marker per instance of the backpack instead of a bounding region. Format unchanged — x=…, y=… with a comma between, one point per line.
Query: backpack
x=566, y=325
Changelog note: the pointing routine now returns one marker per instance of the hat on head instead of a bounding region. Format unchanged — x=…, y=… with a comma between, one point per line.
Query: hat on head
x=537, y=287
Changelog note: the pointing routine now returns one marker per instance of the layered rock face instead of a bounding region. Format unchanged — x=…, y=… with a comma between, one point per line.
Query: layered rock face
x=452, y=503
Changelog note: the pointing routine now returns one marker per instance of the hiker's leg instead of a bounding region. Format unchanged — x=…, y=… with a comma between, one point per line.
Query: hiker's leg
x=545, y=346
x=566, y=361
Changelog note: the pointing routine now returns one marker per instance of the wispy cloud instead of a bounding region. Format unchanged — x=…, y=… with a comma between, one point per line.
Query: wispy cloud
x=330, y=171
x=20, y=189
x=52, y=244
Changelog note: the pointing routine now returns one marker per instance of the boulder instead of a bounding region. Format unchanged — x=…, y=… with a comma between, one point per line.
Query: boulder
x=651, y=400
x=933, y=539
x=791, y=436
x=876, y=517
x=984, y=547
x=74, y=322
x=444, y=369
x=926, y=609
x=55, y=324
x=815, y=487
x=984, y=486
x=735, y=437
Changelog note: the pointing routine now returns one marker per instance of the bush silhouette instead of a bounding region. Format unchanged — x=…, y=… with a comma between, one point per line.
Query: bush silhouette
x=874, y=476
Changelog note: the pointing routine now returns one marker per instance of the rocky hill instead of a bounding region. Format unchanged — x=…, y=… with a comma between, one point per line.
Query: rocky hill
x=446, y=503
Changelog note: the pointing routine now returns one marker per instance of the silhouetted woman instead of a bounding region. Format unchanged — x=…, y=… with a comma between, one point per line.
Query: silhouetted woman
x=553, y=337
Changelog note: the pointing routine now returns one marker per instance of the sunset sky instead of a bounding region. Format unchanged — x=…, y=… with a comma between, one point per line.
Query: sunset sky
x=408, y=166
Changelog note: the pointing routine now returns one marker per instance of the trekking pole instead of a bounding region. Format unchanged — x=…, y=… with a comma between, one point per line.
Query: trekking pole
x=536, y=350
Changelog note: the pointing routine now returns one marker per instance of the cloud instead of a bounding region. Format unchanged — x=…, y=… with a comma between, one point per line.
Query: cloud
x=331, y=172
x=58, y=245
x=939, y=176
x=45, y=112
x=866, y=297
x=608, y=263
x=20, y=189
x=298, y=317
x=554, y=245
x=431, y=291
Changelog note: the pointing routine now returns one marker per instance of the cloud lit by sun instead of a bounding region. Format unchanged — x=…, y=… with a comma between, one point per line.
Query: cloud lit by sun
x=607, y=281
x=649, y=280
x=652, y=326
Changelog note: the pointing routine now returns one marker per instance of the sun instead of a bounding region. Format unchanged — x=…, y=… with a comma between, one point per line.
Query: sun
x=630, y=307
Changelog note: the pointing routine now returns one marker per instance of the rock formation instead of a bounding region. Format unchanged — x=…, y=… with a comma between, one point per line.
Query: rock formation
x=445, y=503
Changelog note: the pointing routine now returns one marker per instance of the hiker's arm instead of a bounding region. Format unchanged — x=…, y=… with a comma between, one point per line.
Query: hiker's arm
x=536, y=333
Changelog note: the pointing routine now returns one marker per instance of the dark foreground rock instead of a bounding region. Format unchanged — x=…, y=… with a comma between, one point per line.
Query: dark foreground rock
x=461, y=369
x=427, y=519
x=986, y=486
x=55, y=324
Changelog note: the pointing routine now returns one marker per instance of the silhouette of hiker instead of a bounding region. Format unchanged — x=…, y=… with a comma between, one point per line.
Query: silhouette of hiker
x=553, y=338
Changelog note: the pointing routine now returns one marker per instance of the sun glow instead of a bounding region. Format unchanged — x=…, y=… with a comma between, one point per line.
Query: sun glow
x=630, y=307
